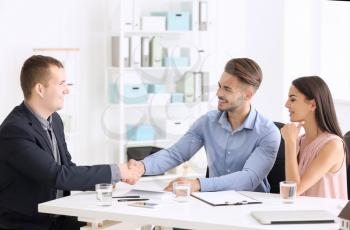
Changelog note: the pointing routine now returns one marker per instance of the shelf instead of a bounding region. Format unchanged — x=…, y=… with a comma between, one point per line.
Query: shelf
x=147, y=105
x=146, y=69
x=155, y=33
x=129, y=47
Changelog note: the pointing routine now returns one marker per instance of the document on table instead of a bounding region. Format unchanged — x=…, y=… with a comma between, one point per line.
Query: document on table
x=223, y=198
x=150, y=194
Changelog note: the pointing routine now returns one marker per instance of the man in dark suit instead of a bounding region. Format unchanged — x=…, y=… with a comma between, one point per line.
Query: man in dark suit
x=35, y=165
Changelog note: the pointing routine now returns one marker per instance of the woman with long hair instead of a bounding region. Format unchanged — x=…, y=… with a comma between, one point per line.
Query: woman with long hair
x=317, y=160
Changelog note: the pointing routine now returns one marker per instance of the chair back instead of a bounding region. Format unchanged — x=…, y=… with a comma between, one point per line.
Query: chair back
x=277, y=172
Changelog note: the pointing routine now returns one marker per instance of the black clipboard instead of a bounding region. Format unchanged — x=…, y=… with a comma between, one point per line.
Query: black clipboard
x=224, y=198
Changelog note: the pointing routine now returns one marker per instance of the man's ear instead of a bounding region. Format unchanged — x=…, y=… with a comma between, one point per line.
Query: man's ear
x=39, y=89
x=249, y=92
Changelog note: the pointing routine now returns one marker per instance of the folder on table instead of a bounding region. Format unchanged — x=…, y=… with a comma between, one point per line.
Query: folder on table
x=293, y=216
x=223, y=198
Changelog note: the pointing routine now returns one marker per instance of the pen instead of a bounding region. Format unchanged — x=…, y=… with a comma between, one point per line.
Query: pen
x=126, y=197
x=125, y=200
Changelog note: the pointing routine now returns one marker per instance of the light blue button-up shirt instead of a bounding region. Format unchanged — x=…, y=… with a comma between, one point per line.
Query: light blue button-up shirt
x=238, y=159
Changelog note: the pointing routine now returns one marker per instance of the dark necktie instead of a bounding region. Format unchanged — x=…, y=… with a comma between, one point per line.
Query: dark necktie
x=49, y=130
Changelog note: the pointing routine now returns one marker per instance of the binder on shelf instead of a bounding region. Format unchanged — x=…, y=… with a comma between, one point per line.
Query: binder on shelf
x=189, y=88
x=145, y=47
x=117, y=52
x=201, y=86
x=224, y=198
x=205, y=86
x=156, y=52
x=187, y=85
x=203, y=15
x=135, y=51
x=197, y=86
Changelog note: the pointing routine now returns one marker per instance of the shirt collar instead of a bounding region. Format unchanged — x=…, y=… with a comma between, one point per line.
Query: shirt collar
x=247, y=124
x=46, y=124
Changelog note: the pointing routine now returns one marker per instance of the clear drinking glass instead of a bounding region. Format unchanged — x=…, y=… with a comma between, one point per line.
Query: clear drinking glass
x=181, y=191
x=288, y=191
x=104, y=194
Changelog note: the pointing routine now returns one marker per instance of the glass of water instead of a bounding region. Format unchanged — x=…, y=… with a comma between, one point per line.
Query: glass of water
x=288, y=191
x=104, y=194
x=181, y=191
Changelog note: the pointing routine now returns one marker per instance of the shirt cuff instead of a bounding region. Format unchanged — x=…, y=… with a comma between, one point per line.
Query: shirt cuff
x=144, y=167
x=115, y=173
x=206, y=184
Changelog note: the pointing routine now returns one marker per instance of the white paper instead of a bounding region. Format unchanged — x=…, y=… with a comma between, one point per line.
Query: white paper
x=149, y=194
x=224, y=197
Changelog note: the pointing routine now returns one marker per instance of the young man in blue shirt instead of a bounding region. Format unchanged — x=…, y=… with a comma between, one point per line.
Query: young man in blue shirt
x=240, y=143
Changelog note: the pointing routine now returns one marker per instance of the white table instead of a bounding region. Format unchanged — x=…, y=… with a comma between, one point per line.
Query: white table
x=191, y=215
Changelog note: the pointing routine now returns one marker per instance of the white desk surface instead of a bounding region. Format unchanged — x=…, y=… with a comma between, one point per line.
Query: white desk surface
x=194, y=214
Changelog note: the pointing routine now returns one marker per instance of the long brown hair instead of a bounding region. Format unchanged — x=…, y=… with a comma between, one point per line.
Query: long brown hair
x=315, y=88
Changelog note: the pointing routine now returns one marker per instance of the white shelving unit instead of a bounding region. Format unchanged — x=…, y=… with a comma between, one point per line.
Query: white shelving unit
x=131, y=62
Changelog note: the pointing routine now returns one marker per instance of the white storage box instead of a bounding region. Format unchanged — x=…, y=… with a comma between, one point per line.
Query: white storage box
x=153, y=23
x=176, y=127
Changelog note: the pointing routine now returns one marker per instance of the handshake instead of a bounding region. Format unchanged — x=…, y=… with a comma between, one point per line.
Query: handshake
x=132, y=171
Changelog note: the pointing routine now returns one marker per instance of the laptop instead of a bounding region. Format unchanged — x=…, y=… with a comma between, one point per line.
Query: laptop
x=293, y=216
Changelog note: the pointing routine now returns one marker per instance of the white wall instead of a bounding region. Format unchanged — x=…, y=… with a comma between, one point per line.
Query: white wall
x=40, y=23
x=282, y=36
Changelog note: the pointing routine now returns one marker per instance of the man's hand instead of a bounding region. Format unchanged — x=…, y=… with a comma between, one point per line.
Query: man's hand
x=195, y=185
x=129, y=176
x=137, y=166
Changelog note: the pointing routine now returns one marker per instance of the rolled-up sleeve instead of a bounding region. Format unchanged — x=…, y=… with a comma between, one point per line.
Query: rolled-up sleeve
x=180, y=152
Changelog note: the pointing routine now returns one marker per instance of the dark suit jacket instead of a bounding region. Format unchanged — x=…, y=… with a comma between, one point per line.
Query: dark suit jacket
x=29, y=174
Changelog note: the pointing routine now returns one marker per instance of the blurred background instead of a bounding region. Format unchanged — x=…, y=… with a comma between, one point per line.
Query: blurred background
x=287, y=38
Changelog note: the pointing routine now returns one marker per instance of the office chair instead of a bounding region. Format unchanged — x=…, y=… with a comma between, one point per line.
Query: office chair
x=347, y=142
x=277, y=172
